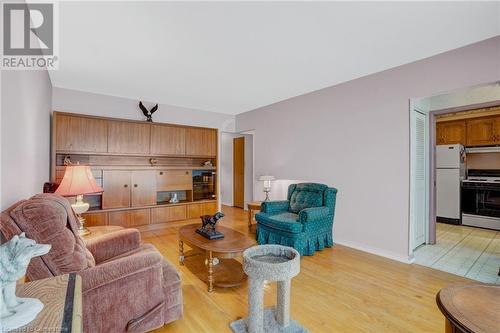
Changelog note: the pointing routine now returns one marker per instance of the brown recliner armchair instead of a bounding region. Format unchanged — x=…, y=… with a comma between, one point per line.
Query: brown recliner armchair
x=127, y=286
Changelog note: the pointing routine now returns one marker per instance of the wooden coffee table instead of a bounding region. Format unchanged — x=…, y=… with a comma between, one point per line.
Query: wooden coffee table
x=470, y=308
x=229, y=272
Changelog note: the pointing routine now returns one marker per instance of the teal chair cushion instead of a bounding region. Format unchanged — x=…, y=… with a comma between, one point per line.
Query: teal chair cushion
x=306, y=195
x=283, y=221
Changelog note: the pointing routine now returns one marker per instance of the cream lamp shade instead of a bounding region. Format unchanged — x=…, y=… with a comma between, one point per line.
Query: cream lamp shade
x=77, y=181
x=267, y=184
x=267, y=180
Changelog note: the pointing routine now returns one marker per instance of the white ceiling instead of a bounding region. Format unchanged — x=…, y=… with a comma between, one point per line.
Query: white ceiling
x=233, y=57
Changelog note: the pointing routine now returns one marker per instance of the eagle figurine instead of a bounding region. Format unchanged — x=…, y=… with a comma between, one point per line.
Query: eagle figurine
x=148, y=113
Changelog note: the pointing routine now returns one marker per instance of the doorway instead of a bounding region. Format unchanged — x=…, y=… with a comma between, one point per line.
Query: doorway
x=237, y=168
x=457, y=249
x=239, y=172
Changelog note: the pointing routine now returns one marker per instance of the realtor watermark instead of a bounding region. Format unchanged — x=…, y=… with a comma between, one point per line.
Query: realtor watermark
x=30, y=36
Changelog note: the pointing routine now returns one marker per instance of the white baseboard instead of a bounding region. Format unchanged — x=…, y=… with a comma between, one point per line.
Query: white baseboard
x=376, y=251
x=227, y=204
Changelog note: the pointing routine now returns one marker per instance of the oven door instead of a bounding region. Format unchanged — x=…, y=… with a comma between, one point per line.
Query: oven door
x=481, y=199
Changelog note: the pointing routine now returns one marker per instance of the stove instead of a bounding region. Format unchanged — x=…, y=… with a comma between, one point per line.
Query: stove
x=480, y=199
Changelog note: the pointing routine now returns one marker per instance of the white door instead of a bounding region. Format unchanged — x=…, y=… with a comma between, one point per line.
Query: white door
x=418, y=210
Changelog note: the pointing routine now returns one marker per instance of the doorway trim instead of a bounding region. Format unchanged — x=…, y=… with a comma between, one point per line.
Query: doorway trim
x=432, y=158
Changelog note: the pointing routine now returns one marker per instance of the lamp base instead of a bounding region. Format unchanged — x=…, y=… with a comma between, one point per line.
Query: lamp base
x=80, y=207
x=267, y=195
x=82, y=231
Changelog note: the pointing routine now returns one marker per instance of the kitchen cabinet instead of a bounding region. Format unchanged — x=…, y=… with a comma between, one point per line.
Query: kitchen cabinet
x=201, y=142
x=168, y=140
x=483, y=131
x=451, y=132
x=80, y=134
x=126, y=137
x=174, y=180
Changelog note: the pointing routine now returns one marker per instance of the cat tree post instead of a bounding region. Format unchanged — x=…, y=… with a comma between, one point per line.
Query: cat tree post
x=270, y=263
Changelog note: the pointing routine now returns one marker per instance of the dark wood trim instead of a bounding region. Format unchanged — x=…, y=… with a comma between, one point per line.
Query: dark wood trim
x=67, y=321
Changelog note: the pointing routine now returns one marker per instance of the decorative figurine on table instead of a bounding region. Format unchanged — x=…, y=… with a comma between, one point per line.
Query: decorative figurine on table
x=174, y=198
x=207, y=229
x=15, y=256
x=148, y=113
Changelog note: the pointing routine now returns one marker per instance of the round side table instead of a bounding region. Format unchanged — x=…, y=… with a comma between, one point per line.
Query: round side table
x=253, y=206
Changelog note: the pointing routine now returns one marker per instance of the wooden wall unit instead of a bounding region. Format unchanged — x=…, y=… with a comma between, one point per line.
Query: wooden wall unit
x=168, y=140
x=79, y=134
x=201, y=142
x=471, y=132
x=136, y=163
x=125, y=137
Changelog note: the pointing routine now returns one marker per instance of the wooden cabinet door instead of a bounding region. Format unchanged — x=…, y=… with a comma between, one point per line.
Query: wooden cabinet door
x=95, y=219
x=129, y=218
x=496, y=130
x=201, y=142
x=174, y=180
x=194, y=211
x=143, y=188
x=168, y=214
x=481, y=132
x=80, y=134
x=209, y=208
x=125, y=137
x=116, y=186
x=451, y=132
x=168, y=140
x=440, y=134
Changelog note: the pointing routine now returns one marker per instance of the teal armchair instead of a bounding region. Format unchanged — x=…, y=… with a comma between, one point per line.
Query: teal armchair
x=304, y=221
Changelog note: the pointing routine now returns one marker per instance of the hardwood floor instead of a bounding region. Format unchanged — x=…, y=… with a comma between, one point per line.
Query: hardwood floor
x=338, y=290
x=470, y=252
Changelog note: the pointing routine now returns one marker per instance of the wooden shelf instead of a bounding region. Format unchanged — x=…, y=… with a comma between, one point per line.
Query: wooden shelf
x=153, y=206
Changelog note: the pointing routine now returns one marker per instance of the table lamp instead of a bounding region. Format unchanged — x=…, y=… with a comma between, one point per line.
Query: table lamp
x=77, y=181
x=267, y=184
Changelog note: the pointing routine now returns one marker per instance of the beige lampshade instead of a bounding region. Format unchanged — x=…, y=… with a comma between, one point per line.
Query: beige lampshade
x=78, y=180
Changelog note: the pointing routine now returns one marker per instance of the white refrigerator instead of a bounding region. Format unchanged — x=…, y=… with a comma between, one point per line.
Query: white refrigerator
x=450, y=171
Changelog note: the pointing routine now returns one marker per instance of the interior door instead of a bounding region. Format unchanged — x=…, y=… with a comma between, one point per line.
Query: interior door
x=419, y=180
x=239, y=172
x=143, y=188
x=116, y=185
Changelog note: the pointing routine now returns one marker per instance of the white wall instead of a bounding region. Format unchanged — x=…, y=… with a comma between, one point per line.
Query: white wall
x=110, y=106
x=355, y=136
x=25, y=134
x=226, y=167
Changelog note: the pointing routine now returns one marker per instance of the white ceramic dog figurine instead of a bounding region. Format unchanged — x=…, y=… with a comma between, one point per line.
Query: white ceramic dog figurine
x=15, y=256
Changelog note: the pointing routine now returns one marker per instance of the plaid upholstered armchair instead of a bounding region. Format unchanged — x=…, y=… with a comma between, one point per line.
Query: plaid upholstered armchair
x=304, y=221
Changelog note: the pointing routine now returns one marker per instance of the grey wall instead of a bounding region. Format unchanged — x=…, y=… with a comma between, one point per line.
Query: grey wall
x=110, y=106
x=25, y=134
x=355, y=136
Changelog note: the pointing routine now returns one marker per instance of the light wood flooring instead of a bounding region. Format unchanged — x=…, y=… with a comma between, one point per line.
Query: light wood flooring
x=338, y=290
x=466, y=251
